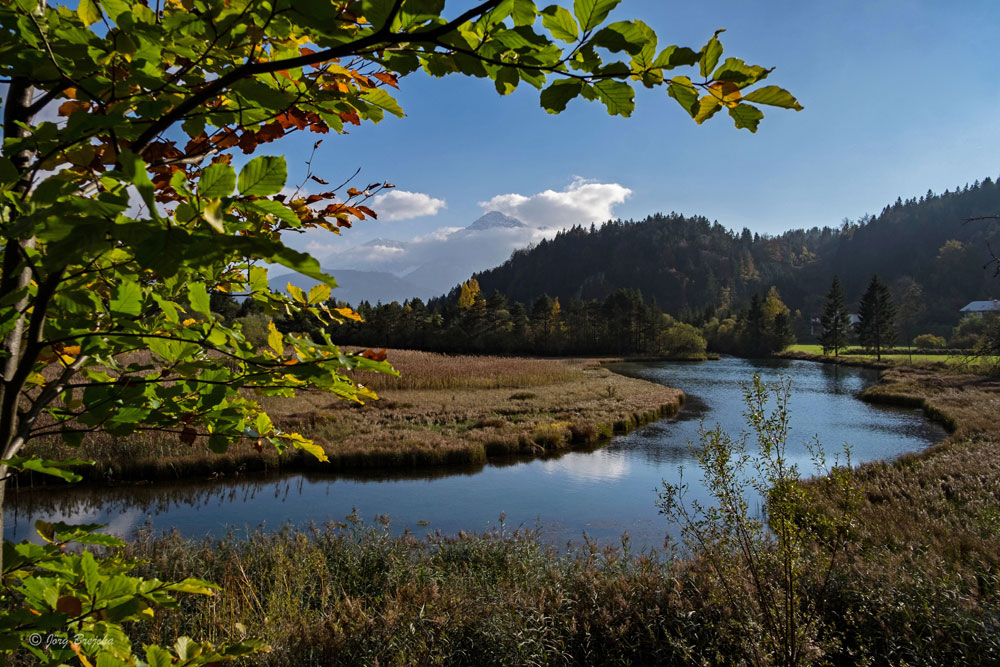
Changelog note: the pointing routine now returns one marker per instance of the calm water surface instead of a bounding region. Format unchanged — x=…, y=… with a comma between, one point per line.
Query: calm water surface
x=600, y=494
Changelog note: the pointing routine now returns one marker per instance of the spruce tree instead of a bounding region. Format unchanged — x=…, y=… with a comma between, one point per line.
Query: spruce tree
x=877, y=314
x=835, y=320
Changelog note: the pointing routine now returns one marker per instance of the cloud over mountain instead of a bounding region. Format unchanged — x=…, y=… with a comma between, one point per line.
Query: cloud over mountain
x=582, y=202
x=403, y=205
x=437, y=260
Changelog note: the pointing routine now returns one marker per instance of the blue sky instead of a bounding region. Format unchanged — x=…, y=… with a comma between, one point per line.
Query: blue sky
x=899, y=97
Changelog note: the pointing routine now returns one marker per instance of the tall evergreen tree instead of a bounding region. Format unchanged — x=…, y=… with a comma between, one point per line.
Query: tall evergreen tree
x=835, y=320
x=877, y=314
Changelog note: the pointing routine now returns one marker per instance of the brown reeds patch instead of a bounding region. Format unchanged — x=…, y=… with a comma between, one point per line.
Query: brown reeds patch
x=443, y=410
x=938, y=509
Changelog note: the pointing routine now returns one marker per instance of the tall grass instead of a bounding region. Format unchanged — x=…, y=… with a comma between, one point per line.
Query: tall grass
x=445, y=411
x=428, y=370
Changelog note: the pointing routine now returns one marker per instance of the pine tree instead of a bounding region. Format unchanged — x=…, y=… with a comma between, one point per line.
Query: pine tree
x=835, y=320
x=877, y=314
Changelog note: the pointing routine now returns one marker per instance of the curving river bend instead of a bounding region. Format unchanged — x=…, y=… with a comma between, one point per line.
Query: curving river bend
x=600, y=494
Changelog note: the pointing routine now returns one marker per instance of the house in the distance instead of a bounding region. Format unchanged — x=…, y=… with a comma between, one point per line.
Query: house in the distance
x=980, y=308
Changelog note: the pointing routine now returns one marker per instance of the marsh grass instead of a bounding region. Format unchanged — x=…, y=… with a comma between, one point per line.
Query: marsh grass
x=427, y=370
x=444, y=410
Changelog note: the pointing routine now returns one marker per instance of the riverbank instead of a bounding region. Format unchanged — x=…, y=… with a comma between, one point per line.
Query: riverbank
x=443, y=410
x=917, y=584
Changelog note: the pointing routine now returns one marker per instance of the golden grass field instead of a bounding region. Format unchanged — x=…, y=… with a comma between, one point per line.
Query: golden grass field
x=441, y=410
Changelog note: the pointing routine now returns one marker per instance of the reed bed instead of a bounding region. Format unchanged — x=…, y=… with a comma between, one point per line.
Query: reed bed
x=345, y=594
x=506, y=407
x=428, y=370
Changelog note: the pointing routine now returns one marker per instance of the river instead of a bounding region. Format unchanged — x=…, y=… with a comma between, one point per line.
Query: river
x=599, y=494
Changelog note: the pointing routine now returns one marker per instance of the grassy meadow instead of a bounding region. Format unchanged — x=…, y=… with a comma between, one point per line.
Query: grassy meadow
x=944, y=360
x=441, y=410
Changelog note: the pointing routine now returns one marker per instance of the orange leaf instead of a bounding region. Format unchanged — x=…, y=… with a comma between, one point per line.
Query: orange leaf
x=70, y=606
x=305, y=51
x=387, y=78
x=374, y=355
x=367, y=210
x=270, y=132
x=727, y=92
x=71, y=107
x=350, y=117
x=348, y=313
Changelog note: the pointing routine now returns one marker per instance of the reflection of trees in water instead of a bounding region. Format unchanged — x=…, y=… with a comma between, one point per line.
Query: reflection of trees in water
x=160, y=497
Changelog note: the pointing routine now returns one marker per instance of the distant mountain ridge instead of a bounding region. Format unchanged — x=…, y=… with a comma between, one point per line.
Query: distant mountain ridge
x=689, y=264
x=397, y=277
x=354, y=287
x=494, y=220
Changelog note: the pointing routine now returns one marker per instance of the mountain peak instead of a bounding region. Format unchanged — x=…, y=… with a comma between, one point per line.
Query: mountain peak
x=495, y=220
x=387, y=243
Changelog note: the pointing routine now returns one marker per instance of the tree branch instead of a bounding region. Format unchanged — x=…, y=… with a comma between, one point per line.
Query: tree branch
x=380, y=36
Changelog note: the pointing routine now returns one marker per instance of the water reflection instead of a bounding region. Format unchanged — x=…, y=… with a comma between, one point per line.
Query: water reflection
x=600, y=493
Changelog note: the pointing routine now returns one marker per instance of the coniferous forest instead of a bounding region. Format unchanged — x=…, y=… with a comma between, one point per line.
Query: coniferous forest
x=678, y=286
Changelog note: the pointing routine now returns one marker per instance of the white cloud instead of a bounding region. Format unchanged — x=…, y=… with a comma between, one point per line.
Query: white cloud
x=582, y=202
x=402, y=205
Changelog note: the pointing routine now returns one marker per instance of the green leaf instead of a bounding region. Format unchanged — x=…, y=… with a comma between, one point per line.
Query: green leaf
x=263, y=423
x=271, y=209
x=555, y=97
x=591, y=13
x=676, y=56
x=91, y=572
x=194, y=586
x=198, y=296
x=617, y=97
x=218, y=443
x=734, y=70
x=319, y=293
x=708, y=105
x=629, y=36
x=506, y=80
x=8, y=174
x=213, y=215
x=774, y=96
x=710, y=54
x=524, y=13
x=88, y=11
x=158, y=656
x=746, y=116
x=262, y=176
x=560, y=23
x=47, y=467
x=682, y=90
x=127, y=299
x=275, y=339
x=134, y=168
x=218, y=180
x=296, y=292
x=383, y=100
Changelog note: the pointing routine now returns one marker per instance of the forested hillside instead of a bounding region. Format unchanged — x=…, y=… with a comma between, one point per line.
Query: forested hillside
x=688, y=264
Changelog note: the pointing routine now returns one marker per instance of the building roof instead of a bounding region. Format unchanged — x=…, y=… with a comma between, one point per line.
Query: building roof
x=982, y=306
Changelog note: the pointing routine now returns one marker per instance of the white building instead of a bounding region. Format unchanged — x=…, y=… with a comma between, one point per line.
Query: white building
x=980, y=308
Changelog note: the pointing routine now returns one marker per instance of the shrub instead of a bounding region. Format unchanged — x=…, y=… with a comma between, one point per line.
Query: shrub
x=929, y=342
x=682, y=340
